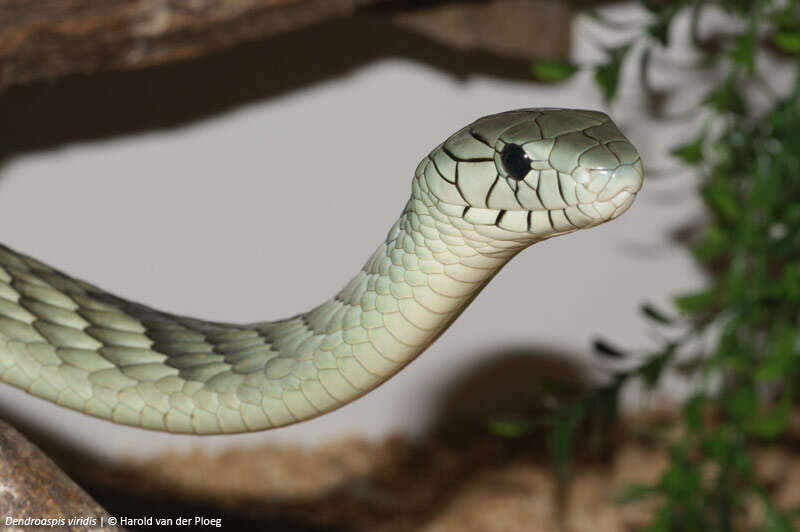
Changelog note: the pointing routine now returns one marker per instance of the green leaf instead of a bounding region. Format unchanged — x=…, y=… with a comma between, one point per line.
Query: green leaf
x=552, y=70
x=742, y=402
x=772, y=424
x=680, y=480
x=780, y=356
x=787, y=40
x=607, y=74
x=656, y=315
x=661, y=523
x=775, y=520
x=650, y=5
x=693, y=412
x=743, y=52
x=659, y=29
x=727, y=98
x=790, y=283
x=720, y=197
x=716, y=446
x=561, y=437
x=695, y=302
x=651, y=370
x=690, y=152
x=510, y=426
x=635, y=492
x=714, y=243
x=606, y=349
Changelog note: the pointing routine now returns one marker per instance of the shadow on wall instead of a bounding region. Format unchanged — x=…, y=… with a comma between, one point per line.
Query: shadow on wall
x=44, y=115
x=515, y=381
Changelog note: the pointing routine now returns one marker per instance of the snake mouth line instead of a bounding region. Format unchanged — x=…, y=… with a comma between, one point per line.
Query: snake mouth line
x=623, y=200
x=582, y=215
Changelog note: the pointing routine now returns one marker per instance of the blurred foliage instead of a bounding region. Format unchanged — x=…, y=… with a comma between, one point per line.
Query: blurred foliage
x=748, y=316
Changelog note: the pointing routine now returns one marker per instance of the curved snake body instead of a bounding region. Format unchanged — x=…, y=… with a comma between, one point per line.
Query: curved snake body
x=493, y=188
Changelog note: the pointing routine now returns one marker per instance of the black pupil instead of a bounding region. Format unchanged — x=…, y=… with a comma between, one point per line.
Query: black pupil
x=516, y=161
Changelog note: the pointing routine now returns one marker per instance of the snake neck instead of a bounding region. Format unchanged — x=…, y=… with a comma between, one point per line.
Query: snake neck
x=428, y=269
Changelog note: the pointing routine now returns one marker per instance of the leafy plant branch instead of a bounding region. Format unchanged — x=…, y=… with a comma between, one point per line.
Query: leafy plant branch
x=748, y=161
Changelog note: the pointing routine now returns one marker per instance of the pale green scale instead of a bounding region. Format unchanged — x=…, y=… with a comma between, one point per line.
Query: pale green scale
x=85, y=359
x=567, y=185
x=514, y=221
x=29, y=366
x=418, y=278
x=15, y=311
x=388, y=346
x=77, y=380
x=53, y=377
x=371, y=319
x=112, y=337
x=32, y=287
x=44, y=354
x=97, y=408
x=254, y=362
x=433, y=301
x=310, y=346
x=355, y=335
x=54, y=314
x=585, y=196
x=318, y=396
x=428, y=266
x=153, y=372
x=372, y=360
x=324, y=360
x=128, y=356
x=334, y=324
x=19, y=330
x=42, y=388
x=156, y=399
x=177, y=421
x=278, y=367
x=131, y=398
x=526, y=194
x=400, y=289
x=68, y=398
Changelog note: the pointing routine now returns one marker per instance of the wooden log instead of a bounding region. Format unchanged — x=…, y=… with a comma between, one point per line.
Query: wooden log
x=513, y=28
x=36, y=495
x=47, y=39
x=41, y=39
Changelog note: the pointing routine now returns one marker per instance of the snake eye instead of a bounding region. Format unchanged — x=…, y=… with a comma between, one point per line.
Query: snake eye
x=515, y=161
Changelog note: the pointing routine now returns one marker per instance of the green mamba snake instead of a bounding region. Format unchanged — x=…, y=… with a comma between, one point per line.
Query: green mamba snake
x=492, y=189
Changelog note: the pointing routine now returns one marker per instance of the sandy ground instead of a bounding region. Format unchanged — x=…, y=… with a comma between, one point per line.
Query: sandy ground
x=466, y=482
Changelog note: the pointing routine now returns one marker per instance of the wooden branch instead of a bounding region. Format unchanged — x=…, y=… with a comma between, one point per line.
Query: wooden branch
x=50, y=38
x=515, y=28
x=32, y=487
x=47, y=39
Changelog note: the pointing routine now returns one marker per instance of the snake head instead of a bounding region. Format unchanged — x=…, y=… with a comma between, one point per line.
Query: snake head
x=543, y=172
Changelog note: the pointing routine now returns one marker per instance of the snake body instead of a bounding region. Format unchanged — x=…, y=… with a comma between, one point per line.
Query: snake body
x=491, y=189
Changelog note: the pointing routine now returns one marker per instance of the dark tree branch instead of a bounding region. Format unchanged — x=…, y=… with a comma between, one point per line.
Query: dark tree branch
x=33, y=487
x=47, y=39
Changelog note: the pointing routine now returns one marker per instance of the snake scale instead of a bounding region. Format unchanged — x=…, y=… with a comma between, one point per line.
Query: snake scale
x=490, y=190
